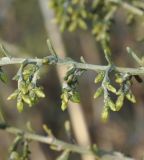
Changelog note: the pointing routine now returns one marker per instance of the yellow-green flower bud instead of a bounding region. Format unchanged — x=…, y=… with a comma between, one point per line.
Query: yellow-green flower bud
x=27, y=100
x=131, y=97
x=64, y=105
x=72, y=26
x=64, y=97
x=119, y=102
x=82, y=24
x=105, y=115
x=75, y=97
x=99, y=77
x=118, y=80
x=110, y=88
x=119, y=92
x=111, y=105
x=20, y=105
x=98, y=93
x=23, y=87
x=13, y=95
x=39, y=93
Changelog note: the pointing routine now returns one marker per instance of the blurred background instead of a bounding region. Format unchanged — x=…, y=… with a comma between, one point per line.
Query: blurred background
x=24, y=27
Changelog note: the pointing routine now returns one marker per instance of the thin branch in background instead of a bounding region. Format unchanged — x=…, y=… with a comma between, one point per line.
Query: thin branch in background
x=61, y=145
x=129, y=7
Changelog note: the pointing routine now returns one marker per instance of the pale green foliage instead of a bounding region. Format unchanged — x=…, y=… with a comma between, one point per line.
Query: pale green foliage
x=69, y=91
x=28, y=92
x=124, y=91
x=98, y=15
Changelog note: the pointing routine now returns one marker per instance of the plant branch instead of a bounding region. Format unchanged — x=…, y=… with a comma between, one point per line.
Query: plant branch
x=61, y=145
x=51, y=140
x=69, y=62
x=128, y=7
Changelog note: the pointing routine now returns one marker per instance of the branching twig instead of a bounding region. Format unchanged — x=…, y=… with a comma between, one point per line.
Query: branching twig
x=129, y=7
x=48, y=140
x=61, y=145
x=69, y=62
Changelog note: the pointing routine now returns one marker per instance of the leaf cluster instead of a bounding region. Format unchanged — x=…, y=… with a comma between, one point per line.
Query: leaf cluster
x=28, y=91
x=98, y=15
x=69, y=90
x=108, y=91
